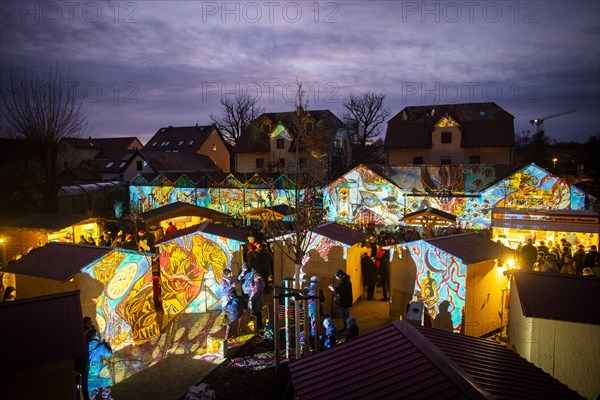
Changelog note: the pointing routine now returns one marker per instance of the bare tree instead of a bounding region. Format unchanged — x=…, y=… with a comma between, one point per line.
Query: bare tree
x=364, y=116
x=42, y=111
x=237, y=114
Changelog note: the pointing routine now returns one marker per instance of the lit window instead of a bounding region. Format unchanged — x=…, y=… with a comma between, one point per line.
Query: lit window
x=214, y=148
x=446, y=137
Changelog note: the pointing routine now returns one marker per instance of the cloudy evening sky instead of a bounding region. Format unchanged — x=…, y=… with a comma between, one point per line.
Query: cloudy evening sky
x=142, y=65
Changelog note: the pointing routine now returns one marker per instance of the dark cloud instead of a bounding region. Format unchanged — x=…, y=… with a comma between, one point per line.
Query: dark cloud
x=167, y=63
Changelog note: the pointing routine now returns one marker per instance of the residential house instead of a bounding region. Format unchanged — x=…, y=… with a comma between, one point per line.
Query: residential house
x=204, y=141
x=269, y=144
x=94, y=160
x=472, y=133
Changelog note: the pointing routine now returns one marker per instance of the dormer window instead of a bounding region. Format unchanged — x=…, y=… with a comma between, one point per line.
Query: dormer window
x=214, y=147
x=154, y=144
x=181, y=142
x=109, y=164
x=191, y=143
x=446, y=137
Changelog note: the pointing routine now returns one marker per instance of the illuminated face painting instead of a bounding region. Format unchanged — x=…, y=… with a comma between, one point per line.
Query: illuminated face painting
x=440, y=276
x=125, y=311
x=191, y=269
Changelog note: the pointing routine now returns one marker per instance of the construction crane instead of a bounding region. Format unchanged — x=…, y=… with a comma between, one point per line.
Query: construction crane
x=539, y=122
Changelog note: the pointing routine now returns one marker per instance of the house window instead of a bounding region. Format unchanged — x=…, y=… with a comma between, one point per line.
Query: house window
x=446, y=160
x=474, y=159
x=139, y=165
x=280, y=144
x=302, y=162
x=282, y=163
x=446, y=137
x=417, y=160
x=260, y=163
x=214, y=147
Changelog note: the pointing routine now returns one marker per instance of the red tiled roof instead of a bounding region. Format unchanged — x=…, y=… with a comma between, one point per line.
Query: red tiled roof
x=471, y=247
x=481, y=124
x=41, y=330
x=186, y=139
x=559, y=297
x=400, y=361
x=210, y=228
x=46, y=221
x=179, y=209
x=340, y=233
x=57, y=261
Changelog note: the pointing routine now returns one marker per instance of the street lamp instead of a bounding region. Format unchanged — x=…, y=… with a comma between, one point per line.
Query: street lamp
x=554, y=160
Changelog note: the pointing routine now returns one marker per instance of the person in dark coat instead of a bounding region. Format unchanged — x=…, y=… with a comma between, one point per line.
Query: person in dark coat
x=352, y=329
x=330, y=338
x=589, y=260
x=264, y=259
x=256, y=299
x=384, y=275
x=98, y=376
x=369, y=272
x=344, y=291
x=528, y=255
x=130, y=243
x=578, y=257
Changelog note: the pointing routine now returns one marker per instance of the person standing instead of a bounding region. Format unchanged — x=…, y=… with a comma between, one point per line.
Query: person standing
x=369, y=273
x=256, y=299
x=568, y=266
x=384, y=275
x=578, y=257
x=528, y=255
x=353, y=330
x=171, y=228
x=98, y=376
x=330, y=333
x=543, y=248
x=264, y=259
x=589, y=260
x=344, y=291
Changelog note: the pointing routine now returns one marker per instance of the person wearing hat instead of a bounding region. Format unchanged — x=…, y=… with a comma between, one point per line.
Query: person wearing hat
x=568, y=266
x=330, y=338
x=130, y=243
x=352, y=328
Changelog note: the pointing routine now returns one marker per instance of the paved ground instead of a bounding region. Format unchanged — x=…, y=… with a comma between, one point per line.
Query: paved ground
x=165, y=368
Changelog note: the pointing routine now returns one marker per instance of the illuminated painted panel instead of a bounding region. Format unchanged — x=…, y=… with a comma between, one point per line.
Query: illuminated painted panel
x=322, y=245
x=440, y=276
x=191, y=267
x=125, y=310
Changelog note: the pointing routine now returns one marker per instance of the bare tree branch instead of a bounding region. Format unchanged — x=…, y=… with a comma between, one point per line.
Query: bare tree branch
x=237, y=114
x=42, y=111
x=365, y=115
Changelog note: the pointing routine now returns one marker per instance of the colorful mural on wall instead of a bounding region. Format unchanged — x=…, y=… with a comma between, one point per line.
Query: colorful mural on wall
x=385, y=194
x=125, y=311
x=322, y=245
x=191, y=267
x=228, y=196
x=440, y=276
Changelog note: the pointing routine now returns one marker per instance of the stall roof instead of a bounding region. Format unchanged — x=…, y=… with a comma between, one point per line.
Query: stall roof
x=57, y=261
x=550, y=220
x=428, y=218
x=41, y=330
x=48, y=221
x=471, y=247
x=180, y=209
x=340, y=233
x=209, y=228
x=402, y=361
x=559, y=297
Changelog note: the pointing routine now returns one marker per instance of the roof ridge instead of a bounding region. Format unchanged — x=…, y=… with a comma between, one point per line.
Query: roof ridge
x=463, y=381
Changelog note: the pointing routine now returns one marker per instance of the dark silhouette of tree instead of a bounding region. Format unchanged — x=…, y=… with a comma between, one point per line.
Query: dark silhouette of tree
x=237, y=114
x=364, y=117
x=41, y=110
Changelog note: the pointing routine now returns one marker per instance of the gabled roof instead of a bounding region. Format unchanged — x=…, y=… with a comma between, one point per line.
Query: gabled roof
x=209, y=228
x=179, y=162
x=434, y=212
x=187, y=139
x=400, y=361
x=256, y=140
x=57, y=261
x=481, y=124
x=113, y=153
x=47, y=221
x=40, y=331
x=559, y=297
x=471, y=247
x=179, y=209
x=340, y=233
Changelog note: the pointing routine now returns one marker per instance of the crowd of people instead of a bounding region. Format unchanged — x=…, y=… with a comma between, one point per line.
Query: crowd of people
x=561, y=257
